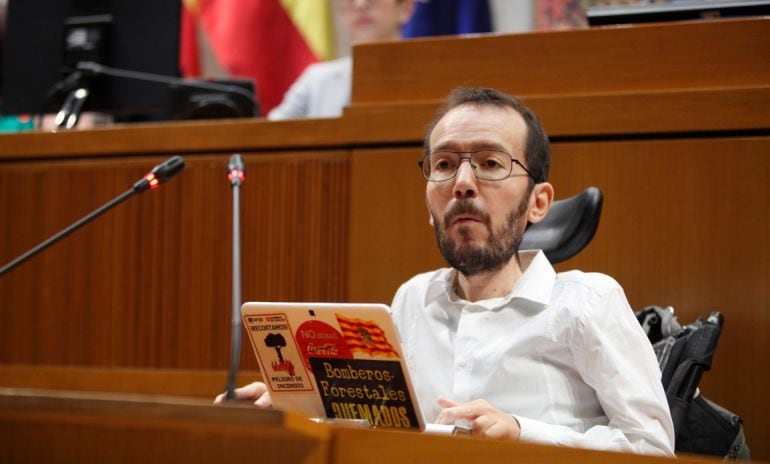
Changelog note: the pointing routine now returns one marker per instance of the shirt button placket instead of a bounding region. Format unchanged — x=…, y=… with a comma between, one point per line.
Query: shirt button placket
x=463, y=379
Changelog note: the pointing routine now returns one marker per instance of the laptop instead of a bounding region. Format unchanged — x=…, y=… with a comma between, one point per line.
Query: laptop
x=334, y=361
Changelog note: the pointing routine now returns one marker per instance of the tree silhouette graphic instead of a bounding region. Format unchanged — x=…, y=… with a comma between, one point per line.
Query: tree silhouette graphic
x=277, y=342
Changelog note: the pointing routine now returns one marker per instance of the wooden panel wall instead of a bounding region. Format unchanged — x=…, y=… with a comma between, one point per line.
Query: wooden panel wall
x=148, y=284
x=390, y=238
x=685, y=224
x=578, y=62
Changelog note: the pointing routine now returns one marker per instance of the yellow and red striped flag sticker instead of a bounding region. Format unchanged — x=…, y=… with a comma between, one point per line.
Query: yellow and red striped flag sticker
x=365, y=336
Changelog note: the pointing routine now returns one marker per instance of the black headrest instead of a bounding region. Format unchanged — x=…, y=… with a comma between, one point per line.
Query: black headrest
x=568, y=228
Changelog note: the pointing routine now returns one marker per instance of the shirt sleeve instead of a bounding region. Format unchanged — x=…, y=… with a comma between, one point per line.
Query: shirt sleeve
x=613, y=355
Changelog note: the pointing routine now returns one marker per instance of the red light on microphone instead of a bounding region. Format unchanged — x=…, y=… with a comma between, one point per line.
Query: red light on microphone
x=236, y=173
x=152, y=180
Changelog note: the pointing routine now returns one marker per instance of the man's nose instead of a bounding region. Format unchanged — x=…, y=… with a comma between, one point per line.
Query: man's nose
x=465, y=181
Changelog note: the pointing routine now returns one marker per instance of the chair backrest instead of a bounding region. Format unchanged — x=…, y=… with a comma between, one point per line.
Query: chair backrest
x=568, y=228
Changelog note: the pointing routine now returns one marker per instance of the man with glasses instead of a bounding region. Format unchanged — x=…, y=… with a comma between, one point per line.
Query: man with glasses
x=499, y=341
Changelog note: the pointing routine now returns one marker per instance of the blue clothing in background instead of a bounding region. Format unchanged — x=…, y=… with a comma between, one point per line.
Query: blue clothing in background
x=447, y=17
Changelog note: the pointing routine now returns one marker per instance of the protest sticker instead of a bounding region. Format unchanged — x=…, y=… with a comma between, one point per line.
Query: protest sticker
x=319, y=339
x=280, y=361
x=374, y=390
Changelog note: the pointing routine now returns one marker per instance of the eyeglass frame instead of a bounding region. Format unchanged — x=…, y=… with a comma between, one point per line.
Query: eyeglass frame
x=469, y=158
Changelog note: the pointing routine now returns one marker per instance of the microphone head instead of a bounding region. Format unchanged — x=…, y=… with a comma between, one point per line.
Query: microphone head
x=236, y=162
x=160, y=174
x=168, y=169
x=236, y=171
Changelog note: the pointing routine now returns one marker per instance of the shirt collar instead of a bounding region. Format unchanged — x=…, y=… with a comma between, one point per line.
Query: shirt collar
x=533, y=287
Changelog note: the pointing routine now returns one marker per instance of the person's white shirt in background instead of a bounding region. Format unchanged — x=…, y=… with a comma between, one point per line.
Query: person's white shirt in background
x=322, y=91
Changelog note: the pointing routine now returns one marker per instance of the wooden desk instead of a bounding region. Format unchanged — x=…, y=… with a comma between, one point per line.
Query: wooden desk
x=74, y=427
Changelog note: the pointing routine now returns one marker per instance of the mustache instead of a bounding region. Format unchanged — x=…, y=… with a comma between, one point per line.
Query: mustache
x=465, y=207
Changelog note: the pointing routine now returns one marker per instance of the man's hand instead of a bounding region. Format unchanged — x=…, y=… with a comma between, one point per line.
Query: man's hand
x=486, y=420
x=256, y=392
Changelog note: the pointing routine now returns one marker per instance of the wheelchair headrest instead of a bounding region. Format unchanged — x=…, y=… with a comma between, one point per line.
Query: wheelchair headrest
x=568, y=228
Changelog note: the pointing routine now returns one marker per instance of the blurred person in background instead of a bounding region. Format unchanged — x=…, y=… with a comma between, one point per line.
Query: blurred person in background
x=323, y=89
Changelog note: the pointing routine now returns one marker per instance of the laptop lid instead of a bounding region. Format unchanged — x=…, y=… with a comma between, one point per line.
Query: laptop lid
x=338, y=361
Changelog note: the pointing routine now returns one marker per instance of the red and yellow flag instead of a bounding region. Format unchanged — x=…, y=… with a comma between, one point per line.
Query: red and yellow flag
x=365, y=336
x=270, y=41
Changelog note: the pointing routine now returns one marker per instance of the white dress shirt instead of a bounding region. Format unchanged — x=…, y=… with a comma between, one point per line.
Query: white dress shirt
x=563, y=353
x=321, y=91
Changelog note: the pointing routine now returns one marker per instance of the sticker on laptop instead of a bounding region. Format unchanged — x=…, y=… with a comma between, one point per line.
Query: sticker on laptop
x=318, y=339
x=283, y=366
x=365, y=337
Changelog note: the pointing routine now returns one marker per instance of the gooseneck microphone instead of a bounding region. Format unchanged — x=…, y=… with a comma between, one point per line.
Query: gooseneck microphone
x=159, y=175
x=236, y=173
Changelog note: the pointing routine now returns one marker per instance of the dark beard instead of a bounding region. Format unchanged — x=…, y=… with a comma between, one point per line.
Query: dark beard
x=472, y=259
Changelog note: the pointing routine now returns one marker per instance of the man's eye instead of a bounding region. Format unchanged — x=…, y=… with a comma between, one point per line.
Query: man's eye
x=442, y=165
x=491, y=164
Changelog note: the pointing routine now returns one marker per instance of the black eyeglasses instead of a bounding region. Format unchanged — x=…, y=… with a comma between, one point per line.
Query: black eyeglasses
x=442, y=165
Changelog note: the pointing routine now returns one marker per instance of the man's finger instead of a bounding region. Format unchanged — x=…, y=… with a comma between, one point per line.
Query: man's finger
x=446, y=402
x=461, y=412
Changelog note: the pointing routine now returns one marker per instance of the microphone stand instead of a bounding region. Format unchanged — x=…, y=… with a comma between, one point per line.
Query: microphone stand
x=78, y=88
x=236, y=176
x=157, y=176
x=91, y=69
x=69, y=114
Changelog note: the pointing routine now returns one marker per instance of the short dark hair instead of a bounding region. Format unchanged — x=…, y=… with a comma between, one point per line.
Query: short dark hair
x=537, y=147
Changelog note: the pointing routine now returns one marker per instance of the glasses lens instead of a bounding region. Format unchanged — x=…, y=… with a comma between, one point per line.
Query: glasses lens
x=491, y=165
x=440, y=165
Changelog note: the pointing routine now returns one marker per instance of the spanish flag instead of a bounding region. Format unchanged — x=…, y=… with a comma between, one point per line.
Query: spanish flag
x=366, y=337
x=270, y=41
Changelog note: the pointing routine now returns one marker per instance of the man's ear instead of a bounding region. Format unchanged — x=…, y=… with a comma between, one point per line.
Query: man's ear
x=541, y=199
